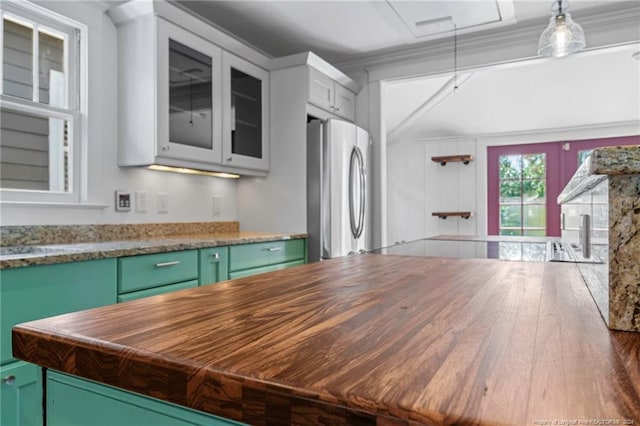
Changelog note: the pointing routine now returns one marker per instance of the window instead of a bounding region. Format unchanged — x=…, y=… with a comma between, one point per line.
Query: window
x=40, y=104
x=523, y=195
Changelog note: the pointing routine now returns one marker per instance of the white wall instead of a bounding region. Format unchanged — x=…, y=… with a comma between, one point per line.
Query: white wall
x=190, y=197
x=417, y=186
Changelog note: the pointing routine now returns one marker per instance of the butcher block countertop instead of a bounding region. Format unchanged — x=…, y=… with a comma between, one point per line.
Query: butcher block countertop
x=367, y=339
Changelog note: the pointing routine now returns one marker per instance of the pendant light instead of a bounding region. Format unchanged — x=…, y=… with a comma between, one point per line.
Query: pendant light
x=563, y=36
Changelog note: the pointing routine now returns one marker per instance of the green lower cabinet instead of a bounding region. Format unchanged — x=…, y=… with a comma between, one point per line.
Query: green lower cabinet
x=72, y=401
x=21, y=395
x=214, y=265
x=270, y=268
x=256, y=258
x=157, y=290
x=36, y=292
x=42, y=291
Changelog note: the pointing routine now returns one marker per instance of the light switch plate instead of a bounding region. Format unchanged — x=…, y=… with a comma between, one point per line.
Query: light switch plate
x=163, y=202
x=217, y=205
x=141, y=201
x=123, y=201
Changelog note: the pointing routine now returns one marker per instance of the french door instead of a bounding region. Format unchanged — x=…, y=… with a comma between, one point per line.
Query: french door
x=524, y=182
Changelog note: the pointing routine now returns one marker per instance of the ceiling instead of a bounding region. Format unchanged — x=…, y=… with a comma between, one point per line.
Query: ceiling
x=345, y=30
x=585, y=89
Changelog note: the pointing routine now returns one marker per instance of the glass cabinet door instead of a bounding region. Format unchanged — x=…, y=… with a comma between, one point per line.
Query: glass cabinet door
x=189, y=96
x=245, y=130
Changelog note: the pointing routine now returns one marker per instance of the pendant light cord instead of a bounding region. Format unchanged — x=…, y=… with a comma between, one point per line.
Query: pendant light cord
x=455, y=57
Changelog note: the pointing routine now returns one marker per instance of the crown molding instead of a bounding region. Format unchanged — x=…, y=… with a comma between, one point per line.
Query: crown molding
x=621, y=128
x=603, y=29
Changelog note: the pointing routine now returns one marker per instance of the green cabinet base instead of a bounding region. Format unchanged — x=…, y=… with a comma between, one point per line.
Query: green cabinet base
x=72, y=401
x=21, y=395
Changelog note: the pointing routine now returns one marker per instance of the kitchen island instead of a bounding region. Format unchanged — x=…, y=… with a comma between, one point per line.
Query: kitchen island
x=366, y=339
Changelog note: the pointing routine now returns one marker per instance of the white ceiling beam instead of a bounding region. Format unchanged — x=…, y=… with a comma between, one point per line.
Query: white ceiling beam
x=449, y=87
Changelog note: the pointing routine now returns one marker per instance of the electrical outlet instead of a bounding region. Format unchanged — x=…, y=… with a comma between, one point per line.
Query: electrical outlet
x=141, y=201
x=123, y=201
x=217, y=205
x=163, y=202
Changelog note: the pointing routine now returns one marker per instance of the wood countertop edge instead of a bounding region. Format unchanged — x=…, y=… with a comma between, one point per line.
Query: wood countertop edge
x=213, y=385
x=69, y=345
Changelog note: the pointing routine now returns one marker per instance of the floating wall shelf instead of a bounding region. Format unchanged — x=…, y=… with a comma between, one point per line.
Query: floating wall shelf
x=443, y=160
x=444, y=215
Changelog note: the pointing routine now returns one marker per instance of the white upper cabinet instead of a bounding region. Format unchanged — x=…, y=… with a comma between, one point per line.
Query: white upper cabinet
x=245, y=130
x=184, y=100
x=329, y=95
x=189, y=96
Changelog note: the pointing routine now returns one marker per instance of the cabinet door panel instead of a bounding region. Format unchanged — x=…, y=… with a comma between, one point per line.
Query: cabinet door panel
x=21, y=394
x=189, y=96
x=270, y=268
x=152, y=270
x=75, y=402
x=42, y=291
x=245, y=129
x=256, y=255
x=214, y=265
x=344, y=102
x=320, y=89
x=156, y=290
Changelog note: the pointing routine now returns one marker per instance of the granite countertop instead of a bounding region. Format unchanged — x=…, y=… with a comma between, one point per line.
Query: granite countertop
x=41, y=245
x=603, y=162
x=367, y=339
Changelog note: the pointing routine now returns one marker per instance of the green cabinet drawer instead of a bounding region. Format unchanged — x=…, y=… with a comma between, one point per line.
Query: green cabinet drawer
x=42, y=291
x=153, y=270
x=21, y=394
x=214, y=265
x=270, y=268
x=256, y=255
x=156, y=290
x=73, y=401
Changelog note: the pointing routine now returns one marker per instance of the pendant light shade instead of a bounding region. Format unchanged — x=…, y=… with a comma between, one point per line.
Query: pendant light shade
x=562, y=37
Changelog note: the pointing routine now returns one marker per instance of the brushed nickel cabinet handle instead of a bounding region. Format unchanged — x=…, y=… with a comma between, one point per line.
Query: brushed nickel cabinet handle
x=273, y=249
x=165, y=264
x=9, y=380
x=216, y=256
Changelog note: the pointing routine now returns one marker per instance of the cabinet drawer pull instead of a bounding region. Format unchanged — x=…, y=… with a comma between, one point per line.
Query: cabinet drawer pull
x=216, y=256
x=163, y=264
x=9, y=380
x=273, y=249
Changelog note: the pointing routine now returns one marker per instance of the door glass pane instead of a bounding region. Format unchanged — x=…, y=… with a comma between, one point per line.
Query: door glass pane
x=510, y=216
x=510, y=191
x=246, y=114
x=523, y=190
x=51, y=69
x=17, y=66
x=190, y=97
x=582, y=155
x=534, y=216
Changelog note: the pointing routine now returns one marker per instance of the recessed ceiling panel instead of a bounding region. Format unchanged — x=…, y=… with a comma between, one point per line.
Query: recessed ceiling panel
x=429, y=18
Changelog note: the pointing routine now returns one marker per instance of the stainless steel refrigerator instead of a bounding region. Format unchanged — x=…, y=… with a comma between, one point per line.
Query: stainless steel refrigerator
x=337, y=189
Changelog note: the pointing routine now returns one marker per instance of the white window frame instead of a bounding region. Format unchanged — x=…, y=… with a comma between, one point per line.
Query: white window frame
x=74, y=103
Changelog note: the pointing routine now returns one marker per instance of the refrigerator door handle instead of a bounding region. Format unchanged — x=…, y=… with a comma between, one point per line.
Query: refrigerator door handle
x=363, y=195
x=356, y=165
